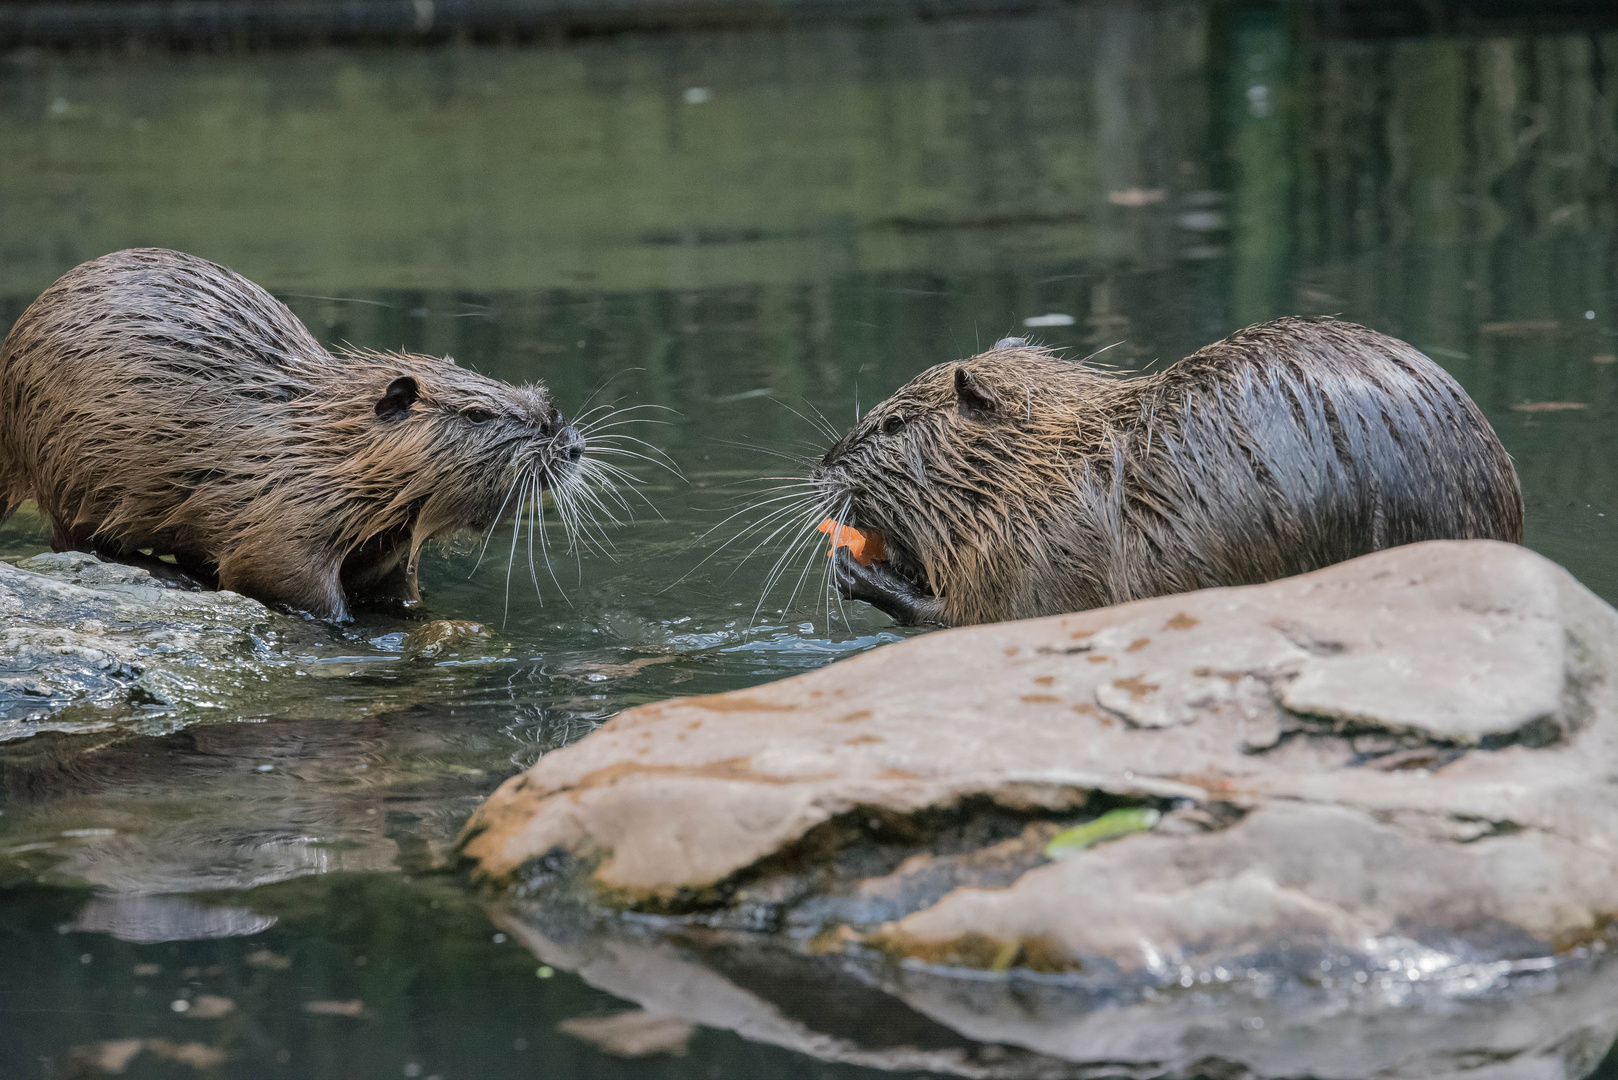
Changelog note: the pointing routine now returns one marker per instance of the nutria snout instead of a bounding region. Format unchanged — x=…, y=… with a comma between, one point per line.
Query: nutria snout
x=151, y=401
x=1018, y=483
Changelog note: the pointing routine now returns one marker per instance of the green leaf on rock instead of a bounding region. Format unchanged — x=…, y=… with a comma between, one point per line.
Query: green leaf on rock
x=1108, y=826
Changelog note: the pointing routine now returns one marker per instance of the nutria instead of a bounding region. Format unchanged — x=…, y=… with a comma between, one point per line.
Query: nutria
x=1018, y=483
x=153, y=400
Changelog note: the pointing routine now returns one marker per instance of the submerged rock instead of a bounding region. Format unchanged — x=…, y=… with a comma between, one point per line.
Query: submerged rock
x=1382, y=838
x=441, y=638
x=85, y=643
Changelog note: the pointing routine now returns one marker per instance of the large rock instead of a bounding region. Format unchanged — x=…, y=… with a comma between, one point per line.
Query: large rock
x=1385, y=788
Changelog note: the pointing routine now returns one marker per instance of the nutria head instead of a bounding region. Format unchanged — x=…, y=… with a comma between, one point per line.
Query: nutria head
x=394, y=449
x=422, y=439
x=962, y=471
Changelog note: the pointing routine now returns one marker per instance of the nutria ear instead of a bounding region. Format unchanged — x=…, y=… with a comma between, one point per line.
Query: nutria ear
x=395, y=403
x=1010, y=343
x=977, y=401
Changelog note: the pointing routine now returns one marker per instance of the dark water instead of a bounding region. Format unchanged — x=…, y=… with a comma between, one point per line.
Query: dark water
x=746, y=230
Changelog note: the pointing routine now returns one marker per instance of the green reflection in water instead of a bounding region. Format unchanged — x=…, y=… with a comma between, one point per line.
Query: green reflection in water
x=841, y=208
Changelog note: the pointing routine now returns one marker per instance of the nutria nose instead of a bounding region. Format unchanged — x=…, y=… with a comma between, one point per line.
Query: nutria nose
x=571, y=443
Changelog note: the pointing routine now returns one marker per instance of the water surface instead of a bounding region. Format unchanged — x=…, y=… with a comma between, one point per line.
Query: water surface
x=745, y=231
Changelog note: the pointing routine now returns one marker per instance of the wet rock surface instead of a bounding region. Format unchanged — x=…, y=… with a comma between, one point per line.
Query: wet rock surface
x=1383, y=840
x=86, y=645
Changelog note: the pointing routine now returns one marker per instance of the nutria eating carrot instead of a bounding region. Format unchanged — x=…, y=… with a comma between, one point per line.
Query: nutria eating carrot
x=154, y=403
x=1018, y=483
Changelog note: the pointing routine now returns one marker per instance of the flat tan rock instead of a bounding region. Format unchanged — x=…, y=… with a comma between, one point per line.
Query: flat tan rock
x=1396, y=767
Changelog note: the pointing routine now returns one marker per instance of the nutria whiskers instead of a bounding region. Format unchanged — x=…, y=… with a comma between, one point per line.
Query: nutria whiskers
x=1018, y=483
x=151, y=401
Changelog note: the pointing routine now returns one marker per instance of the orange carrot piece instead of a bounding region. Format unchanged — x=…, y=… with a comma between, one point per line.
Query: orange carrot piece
x=866, y=547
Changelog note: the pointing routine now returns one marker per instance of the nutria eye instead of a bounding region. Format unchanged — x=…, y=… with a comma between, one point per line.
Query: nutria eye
x=478, y=416
x=892, y=424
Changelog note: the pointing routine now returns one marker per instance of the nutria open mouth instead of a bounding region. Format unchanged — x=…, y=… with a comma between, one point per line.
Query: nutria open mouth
x=895, y=585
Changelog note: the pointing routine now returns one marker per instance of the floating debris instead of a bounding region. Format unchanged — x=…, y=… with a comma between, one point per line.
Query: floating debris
x=208, y=1007
x=1521, y=327
x=264, y=958
x=1136, y=196
x=632, y=1034
x=1548, y=406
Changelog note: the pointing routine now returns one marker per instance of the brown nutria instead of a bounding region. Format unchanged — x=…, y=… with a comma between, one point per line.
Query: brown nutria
x=153, y=400
x=1018, y=483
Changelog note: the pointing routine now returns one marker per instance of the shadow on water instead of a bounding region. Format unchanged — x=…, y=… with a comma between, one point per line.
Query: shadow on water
x=736, y=227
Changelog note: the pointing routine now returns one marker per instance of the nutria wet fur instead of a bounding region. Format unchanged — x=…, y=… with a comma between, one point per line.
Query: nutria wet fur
x=153, y=400
x=1018, y=483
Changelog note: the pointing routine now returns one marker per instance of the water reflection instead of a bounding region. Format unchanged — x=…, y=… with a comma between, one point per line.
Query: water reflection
x=738, y=227
x=1022, y=1023
x=145, y=920
x=360, y=977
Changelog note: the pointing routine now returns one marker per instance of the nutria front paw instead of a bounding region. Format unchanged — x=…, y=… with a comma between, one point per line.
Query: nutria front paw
x=907, y=603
